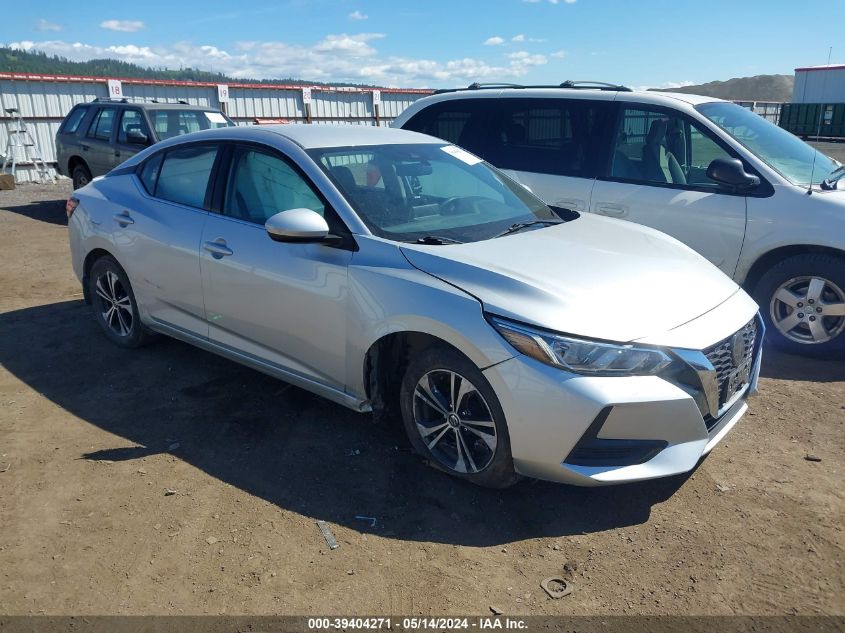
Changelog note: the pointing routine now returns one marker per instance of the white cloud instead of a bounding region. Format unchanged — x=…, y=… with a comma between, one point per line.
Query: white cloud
x=337, y=57
x=559, y=54
x=125, y=26
x=518, y=38
x=44, y=25
x=494, y=41
x=357, y=15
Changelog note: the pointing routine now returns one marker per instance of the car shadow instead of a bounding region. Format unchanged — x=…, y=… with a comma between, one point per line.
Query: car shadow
x=50, y=211
x=295, y=450
x=782, y=366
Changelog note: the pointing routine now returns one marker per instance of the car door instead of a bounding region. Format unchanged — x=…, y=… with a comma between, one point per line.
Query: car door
x=97, y=147
x=657, y=176
x=158, y=233
x=282, y=303
x=132, y=120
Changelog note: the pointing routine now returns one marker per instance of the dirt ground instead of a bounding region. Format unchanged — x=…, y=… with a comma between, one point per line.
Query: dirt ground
x=93, y=439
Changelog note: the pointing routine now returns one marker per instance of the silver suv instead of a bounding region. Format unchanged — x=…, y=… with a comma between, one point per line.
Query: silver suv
x=98, y=136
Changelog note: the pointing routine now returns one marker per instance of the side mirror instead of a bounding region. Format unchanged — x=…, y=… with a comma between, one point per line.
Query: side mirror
x=136, y=137
x=730, y=172
x=297, y=225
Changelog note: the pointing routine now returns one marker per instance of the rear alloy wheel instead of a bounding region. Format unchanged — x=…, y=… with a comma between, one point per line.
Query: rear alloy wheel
x=453, y=418
x=115, y=309
x=81, y=176
x=803, y=302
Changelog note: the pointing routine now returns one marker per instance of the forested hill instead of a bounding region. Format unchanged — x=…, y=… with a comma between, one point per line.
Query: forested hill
x=17, y=61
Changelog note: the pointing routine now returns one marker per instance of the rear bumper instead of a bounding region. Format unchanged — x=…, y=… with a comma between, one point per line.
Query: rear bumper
x=594, y=431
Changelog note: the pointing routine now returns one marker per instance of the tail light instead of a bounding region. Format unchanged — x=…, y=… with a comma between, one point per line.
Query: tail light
x=70, y=206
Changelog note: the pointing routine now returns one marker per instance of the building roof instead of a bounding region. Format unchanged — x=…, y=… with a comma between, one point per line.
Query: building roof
x=823, y=67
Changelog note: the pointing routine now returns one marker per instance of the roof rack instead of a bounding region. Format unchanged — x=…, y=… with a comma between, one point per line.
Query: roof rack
x=568, y=84
x=108, y=99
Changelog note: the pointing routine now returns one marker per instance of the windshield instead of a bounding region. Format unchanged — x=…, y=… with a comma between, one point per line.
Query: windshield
x=410, y=192
x=779, y=149
x=170, y=123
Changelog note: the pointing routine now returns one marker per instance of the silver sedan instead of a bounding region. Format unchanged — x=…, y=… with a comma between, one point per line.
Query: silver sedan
x=394, y=273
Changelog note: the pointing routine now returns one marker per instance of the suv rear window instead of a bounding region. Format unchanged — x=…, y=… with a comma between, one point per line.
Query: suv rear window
x=73, y=120
x=170, y=123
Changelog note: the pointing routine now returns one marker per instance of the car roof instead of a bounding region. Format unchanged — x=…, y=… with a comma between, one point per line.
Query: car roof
x=149, y=105
x=648, y=96
x=319, y=136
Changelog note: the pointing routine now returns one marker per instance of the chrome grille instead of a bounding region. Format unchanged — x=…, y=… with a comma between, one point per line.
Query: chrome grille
x=732, y=359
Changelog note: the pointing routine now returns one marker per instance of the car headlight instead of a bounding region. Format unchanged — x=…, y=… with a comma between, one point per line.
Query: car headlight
x=581, y=356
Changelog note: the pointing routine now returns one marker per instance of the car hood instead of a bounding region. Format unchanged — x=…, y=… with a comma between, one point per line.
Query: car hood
x=593, y=276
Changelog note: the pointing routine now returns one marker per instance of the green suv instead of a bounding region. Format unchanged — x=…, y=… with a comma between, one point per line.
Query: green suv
x=96, y=137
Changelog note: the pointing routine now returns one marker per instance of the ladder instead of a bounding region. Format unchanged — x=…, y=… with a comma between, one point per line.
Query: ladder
x=21, y=147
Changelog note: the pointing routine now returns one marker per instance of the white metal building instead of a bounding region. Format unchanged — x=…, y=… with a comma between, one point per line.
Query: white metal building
x=44, y=100
x=819, y=84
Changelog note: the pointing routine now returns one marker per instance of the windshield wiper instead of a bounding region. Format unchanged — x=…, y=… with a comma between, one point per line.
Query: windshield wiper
x=436, y=239
x=831, y=182
x=513, y=228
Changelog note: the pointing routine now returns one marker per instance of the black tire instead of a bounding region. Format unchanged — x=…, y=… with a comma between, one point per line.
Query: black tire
x=123, y=325
x=498, y=470
x=81, y=176
x=794, y=273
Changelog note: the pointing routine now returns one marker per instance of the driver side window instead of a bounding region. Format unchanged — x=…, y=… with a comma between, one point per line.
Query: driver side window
x=658, y=148
x=261, y=185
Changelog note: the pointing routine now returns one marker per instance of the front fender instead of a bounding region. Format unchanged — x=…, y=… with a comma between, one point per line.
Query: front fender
x=387, y=295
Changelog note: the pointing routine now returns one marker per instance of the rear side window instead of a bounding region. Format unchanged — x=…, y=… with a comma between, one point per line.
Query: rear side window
x=149, y=173
x=183, y=176
x=170, y=123
x=71, y=124
x=549, y=136
x=103, y=124
x=463, y=123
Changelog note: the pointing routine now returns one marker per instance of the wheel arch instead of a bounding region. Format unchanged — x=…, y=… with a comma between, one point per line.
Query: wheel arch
x=74, y=161
x=769, y=259
x=92, y=256
x=386, y=361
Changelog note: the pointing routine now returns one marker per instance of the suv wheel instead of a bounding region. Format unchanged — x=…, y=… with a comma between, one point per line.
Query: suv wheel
x=81, y=176
x=115, y=307
x=802, y=300
x=453, y=418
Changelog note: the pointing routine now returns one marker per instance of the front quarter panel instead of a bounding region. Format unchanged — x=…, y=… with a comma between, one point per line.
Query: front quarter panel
x=792, y=218
x=388, y=295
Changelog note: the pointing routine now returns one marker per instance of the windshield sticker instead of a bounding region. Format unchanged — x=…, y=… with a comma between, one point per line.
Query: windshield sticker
x=461, y=154
x=215, y=117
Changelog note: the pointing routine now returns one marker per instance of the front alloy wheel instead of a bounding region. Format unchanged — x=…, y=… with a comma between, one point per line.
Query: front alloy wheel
x=809, y=309
x=454, y=421
x=453, y=418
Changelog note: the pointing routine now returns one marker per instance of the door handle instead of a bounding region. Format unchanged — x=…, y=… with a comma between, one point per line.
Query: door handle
x=575, y=204
x=117, y=153
x=613, y=210
x=123, y=218
x=85, y=148
x=218, y=248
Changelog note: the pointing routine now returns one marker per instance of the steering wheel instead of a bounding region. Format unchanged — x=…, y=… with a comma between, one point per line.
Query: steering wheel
x=450, y=206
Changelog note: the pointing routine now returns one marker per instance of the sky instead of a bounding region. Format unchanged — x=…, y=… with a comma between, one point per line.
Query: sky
x=440, y=43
